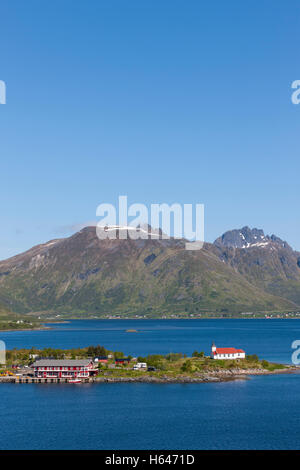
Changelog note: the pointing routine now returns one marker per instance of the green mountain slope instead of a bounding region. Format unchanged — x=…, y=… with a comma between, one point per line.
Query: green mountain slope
x=266, y=262
x=84, y=275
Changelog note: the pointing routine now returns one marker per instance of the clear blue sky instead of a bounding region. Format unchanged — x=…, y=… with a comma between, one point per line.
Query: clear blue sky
x=161, y=100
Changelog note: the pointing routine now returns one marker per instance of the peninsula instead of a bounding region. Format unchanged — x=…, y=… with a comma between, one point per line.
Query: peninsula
x=96, y=364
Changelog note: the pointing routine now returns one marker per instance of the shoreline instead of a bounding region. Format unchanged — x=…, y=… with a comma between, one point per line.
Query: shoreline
x=69, y=320
x=206, y=377
x=27, y=329
x=217, y=376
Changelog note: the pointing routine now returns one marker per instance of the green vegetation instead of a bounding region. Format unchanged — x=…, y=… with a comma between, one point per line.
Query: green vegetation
x=271, y=366
x=13, y=321
x=26, y=356
x=187, y=367
x=15, y=325
x=83, y=277
x=252, y=358
x=198, y=354
x=166, y=367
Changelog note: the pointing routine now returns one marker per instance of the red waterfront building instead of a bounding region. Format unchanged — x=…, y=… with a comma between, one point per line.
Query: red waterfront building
x=69, y=368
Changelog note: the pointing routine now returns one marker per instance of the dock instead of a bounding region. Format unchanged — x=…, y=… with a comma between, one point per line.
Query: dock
x=38, y=380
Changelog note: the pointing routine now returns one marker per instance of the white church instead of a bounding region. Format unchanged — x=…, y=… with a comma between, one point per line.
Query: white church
x=226, y=353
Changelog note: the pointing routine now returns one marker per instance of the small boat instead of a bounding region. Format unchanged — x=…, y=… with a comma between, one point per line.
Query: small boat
x=74, y=381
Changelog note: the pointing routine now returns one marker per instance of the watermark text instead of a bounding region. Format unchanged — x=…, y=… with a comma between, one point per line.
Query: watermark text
x=2, y=92
x=296, y=94
x=2, y=353
x=163, y=222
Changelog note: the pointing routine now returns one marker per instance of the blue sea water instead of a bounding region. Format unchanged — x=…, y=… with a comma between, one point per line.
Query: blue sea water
x=270, y=339
x=259, y=413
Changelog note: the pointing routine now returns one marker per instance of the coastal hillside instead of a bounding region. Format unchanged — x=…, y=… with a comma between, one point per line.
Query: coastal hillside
x=265, y=261
x=5, y=312
x=84, y=276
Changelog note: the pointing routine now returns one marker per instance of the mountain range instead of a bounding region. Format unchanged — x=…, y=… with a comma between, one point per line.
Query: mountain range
x=242, y=271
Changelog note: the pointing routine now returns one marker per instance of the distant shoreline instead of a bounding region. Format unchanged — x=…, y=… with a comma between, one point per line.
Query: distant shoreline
x=27, y=329
x=44, y=326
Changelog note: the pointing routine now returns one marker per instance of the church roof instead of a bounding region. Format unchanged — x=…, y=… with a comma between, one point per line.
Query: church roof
x=228, y=351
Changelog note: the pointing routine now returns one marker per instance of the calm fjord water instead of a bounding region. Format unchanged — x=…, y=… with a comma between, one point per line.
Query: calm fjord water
x=270, y=339
x=260, y=413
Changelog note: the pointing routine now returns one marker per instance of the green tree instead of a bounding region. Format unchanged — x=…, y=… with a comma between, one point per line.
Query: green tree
x=187, y=366
x=173, y=357
x=198, y=354
x=265, y=364
x=252, y=358
x=118, y=354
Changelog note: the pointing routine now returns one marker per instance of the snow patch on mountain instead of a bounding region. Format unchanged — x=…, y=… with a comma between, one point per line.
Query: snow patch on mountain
x=249, y=238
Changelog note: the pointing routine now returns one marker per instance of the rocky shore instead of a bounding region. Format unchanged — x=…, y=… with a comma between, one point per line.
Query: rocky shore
x=215, y=376
x=197, y=377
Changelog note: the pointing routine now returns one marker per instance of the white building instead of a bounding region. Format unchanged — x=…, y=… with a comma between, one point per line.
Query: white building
x=226, y=353
x=140, y=365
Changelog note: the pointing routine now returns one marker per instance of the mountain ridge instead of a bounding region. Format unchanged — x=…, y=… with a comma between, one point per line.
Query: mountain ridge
x=247, y=237
x=85, y=275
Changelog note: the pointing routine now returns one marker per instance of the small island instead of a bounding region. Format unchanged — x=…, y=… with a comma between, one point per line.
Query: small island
x=97, y=364
x=10, y=321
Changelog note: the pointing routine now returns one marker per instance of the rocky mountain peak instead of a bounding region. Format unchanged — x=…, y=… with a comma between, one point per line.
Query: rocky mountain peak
x=87, y=274
x=248, y=238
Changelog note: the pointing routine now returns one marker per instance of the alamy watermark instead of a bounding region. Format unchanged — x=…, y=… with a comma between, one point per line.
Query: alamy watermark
x=2, y=353
x=164, y=222
x=2, y=92
x=295, y=356
x=296, y=94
